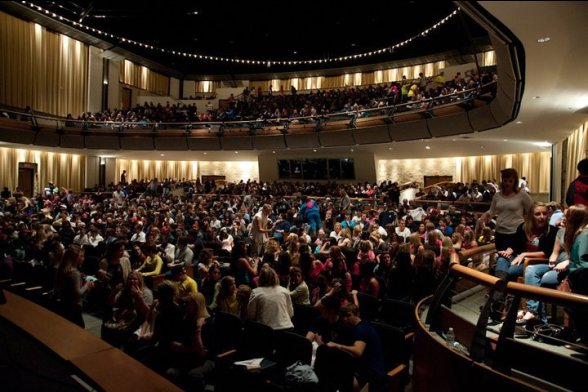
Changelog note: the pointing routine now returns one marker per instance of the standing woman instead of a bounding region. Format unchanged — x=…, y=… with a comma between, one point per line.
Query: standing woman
x=270, y=303
x=68, y=285
x=510, y=206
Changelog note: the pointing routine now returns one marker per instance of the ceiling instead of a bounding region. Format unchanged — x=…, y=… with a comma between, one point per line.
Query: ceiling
x=554, y=104
x=272, y=31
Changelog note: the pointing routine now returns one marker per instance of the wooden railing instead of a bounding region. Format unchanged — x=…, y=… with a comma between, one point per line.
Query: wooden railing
x=487, y=360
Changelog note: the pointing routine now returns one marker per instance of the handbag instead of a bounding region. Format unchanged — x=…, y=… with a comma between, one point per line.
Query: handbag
x=548, y=333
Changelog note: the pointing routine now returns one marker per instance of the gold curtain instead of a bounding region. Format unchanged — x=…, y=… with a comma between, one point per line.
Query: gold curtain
x=146, y=170
x=64, y=170
x=139, y=76
x=577, y=150
x=206, y=86
x=534, y=166
x=334, y=81
x=41, y=69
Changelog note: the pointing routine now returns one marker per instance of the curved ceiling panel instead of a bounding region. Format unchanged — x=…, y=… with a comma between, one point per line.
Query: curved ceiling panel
x=336, y=138
x=171, y=143
x=237, y=143
x=372, y=135
x=204, y=143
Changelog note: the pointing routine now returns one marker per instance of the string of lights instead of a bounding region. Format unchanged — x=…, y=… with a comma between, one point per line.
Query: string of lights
x=269, y=63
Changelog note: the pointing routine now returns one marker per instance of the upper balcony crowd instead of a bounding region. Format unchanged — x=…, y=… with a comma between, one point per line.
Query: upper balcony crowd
x=252, y=105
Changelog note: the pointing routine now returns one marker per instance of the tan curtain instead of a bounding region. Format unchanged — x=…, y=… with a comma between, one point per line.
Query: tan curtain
x=367, y=78
x=206, y=86
x=334, y=81
x=139, y=76
x=41, y=69
x=534, y=166
x=146, y=170
x=64, y=170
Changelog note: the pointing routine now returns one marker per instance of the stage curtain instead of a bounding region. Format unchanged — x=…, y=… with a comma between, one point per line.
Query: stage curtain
x=41, y=69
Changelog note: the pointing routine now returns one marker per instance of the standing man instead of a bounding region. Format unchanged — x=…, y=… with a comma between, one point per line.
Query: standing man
x=344, y=204
x=578, y=190
x=259, y=229
x=123, y=177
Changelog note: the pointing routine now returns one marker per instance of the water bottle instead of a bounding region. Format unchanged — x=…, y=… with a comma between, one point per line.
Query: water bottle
x=450, y=338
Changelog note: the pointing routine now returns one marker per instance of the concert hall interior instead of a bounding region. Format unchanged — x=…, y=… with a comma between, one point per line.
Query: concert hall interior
x=299, y=196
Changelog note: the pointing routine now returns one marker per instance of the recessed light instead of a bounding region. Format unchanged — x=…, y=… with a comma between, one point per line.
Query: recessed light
x=428, y=147
x=536, y=97
x=205, y=153
x=543, y=40
x=162, y=155
x=236, y=152
x=313, y=150
x=352, y=150
x=273, y=152
x=390, y=148
x=506, y=140
x=452, y=140
x=519, y=122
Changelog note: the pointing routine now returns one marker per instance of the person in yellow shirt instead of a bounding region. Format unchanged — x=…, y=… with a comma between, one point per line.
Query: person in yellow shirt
x=185, y=284
x=152, y=264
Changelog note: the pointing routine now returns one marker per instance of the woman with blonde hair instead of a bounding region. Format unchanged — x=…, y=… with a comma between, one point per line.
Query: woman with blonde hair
x=534, y=238
x=270, y=303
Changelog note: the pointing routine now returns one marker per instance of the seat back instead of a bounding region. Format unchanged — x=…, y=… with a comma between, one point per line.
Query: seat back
x=228, y=332
x=398, y=313
x=334, y=369
x=303, y=317
x=369, y=306
x=258, y=340
x=396, y=348
x=291, y=347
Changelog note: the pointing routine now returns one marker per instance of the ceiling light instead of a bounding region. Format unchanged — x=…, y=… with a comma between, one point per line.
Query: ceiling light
x=205, y=153
x=542, y=144
x=236, y=152
x=519, y=122
x=313, y=150
x=506, y=140
x=428, y=147
x=543, y=40
x=273, y=152
x=162, y=155
x=536, y=97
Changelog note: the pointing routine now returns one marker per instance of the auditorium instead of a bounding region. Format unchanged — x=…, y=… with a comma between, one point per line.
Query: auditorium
x=293, y=197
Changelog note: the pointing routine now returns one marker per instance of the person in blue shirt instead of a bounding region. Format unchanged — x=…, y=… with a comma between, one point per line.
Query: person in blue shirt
x=310, y=210
x=366, y=346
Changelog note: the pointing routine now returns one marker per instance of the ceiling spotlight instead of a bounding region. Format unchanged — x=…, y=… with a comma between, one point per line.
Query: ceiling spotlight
x=428, y=147
x=519, y=122
x=543, y=40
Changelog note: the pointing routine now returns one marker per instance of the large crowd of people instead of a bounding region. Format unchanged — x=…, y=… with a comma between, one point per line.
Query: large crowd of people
x=260, y=250
x=421, y=93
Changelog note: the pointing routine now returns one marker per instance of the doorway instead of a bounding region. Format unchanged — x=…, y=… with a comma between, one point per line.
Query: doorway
x=27, y=172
